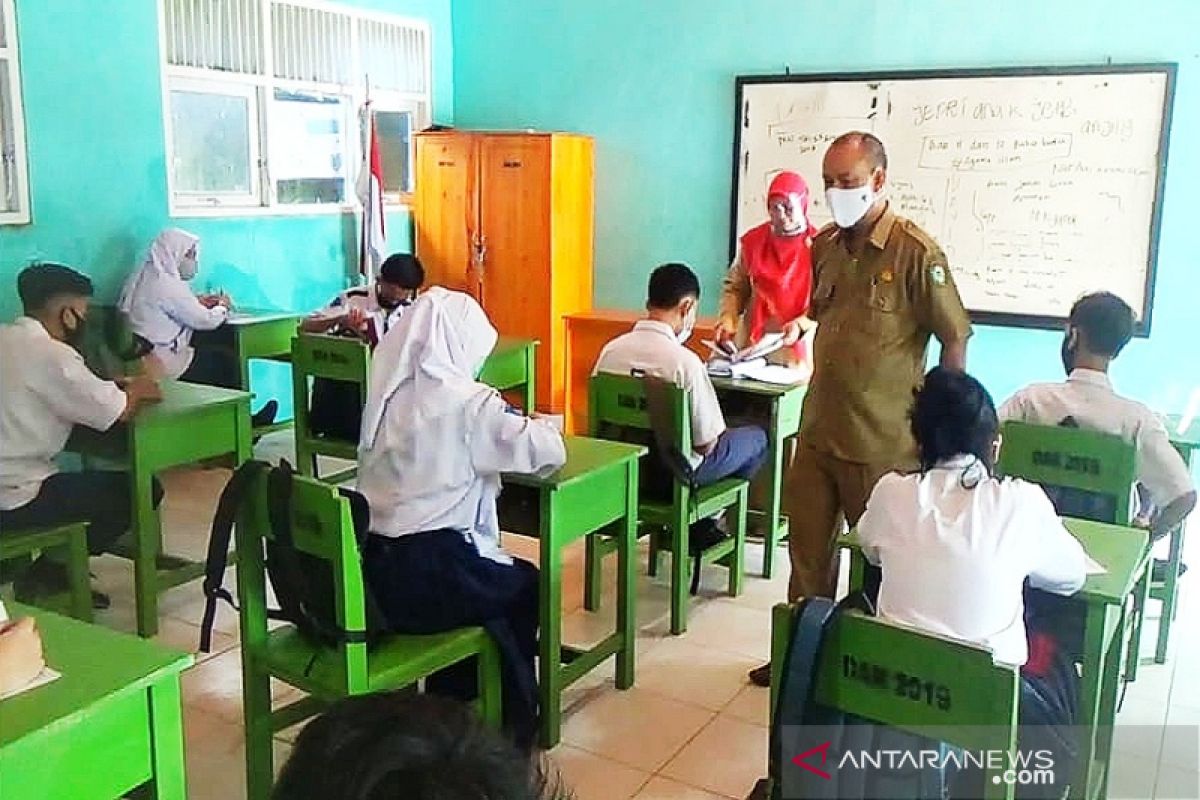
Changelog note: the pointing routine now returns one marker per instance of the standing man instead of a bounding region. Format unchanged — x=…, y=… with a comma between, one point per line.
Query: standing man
x=881, y=288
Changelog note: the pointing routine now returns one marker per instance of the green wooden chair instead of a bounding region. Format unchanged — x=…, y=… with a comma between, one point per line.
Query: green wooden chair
x=940, y=688
x=619, y=402
x=337, y=358
x=70, y=541
x=323, y=528
x=1089, y=475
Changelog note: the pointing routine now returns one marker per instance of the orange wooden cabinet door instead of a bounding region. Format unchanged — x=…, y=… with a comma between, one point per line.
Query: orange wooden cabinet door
x=514, y=208
x=446, y=209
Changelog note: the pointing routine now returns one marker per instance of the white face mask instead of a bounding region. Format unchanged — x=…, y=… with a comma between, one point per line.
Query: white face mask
x=848, y=206
x=689, y=324
x=188, y=268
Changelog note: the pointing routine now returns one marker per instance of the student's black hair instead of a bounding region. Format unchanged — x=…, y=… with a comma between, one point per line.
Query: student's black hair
x=869, y=142
x=38, y=284
x=411, y=746
x=671, y=283
x=404, y=270
x=953, y=415
x=1105, y=321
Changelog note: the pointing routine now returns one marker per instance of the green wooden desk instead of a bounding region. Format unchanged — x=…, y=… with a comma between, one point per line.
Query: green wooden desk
x=192, y=423
x=1187, y=442
x=594, y=492
x=784, y=403
x=111, y=723
x=1124, y=553
x=250, y=334
x=511, y=366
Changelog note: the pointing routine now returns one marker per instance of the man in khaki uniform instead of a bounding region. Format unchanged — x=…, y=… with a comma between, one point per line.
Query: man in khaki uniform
x=882, y=287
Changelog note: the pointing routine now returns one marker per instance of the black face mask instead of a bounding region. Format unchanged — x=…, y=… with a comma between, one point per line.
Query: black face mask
x=1068, y=353
x=75, y=335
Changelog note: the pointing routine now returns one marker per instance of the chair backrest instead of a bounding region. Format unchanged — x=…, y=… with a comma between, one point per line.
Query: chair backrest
x=940, y=688
x=322, y=530
x=618, y=404
x=1073, y=464
x=316, y=355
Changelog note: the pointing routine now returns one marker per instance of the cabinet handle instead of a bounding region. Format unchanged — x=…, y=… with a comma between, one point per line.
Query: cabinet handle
x=479, y=244
x=512, y=163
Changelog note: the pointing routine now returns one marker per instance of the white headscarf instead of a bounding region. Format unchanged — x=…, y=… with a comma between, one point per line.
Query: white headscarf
x=428, y=361
x=166, y=259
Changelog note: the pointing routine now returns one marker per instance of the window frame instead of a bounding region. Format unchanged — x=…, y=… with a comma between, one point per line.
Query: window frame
x=11, y=55
x=265, y=84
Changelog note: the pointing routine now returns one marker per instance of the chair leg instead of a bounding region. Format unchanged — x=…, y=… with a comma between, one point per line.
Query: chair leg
x=1170, y=605
x=679, y=573
x=1141, y=600
x=737, y=564
x=593, y=573
x=490, y=699
x=77, y=573
x=652, y=567
x=256, y=699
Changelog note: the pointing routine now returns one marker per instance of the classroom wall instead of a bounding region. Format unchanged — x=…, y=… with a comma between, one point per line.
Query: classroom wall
x=97, y=164
x=654, y=83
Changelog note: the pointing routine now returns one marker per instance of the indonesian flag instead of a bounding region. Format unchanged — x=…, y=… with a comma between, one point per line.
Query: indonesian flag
x=373, y=239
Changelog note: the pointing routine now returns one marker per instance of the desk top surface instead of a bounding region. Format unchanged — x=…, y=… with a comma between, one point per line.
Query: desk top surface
x=508, y=343
x=95, y=663
x=180, y=397
x=251, y=316
x=756, y=387
x=1189, y=437
x=1120, y=550
x=584, y=455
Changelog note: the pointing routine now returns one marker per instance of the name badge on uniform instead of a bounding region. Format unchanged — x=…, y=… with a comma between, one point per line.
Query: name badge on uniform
x=937, y=274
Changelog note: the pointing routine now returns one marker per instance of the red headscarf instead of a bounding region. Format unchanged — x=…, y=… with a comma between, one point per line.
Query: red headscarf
x=780, y=267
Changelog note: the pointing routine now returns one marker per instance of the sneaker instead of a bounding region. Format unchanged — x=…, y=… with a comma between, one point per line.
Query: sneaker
x=265, y=415
x=703, y=535
x=761, y=676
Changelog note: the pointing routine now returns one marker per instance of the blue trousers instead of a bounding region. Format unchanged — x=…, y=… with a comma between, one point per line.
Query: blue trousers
x=738, y=453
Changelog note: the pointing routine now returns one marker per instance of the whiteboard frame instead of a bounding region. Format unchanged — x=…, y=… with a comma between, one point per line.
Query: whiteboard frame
x=1166, y=68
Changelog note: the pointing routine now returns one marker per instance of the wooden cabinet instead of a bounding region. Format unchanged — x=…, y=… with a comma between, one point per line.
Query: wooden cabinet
x=508, y=217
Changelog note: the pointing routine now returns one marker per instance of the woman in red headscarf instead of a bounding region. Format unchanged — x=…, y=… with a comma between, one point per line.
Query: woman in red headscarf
x=769, y=285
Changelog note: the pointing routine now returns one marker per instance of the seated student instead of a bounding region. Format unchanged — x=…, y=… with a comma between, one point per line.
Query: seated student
x=45, y=389
x=21, y=658
x=1099, y=327
x=412, y=746
x=956, y=545
x=162, y=309
x=366, y=312
x=655, y=348
x=434, y=443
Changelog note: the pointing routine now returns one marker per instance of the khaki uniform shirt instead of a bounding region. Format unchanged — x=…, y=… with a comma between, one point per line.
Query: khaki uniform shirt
x=875, y=314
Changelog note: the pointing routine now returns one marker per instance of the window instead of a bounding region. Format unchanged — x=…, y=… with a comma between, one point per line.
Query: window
x=264, y=101
x=14, y=175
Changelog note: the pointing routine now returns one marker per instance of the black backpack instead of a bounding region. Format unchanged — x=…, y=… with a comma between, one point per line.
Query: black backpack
x=303, y=584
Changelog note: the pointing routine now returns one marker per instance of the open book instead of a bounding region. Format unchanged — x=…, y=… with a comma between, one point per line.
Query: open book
x=727, y=351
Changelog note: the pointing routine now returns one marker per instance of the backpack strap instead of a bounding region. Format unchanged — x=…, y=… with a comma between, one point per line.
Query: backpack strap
x=232, y=497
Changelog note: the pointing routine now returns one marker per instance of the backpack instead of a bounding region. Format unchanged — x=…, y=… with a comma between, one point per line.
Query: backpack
x=303, y=584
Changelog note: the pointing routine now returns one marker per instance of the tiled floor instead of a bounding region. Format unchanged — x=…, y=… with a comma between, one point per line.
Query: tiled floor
x=691, y=728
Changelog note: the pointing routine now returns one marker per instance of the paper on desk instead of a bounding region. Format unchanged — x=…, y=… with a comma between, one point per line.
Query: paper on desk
x=47, y=675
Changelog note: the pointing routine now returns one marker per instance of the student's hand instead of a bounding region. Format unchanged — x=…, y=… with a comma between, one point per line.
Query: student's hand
x=21, y=658
x=355, y=319
x=143, y=389
x=225, y=300
x=209, y=300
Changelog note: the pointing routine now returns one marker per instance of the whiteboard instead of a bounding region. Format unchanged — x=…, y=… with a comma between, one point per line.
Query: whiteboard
x=1040, y=184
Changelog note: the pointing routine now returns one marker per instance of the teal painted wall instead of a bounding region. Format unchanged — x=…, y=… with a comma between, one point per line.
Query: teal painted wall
x=97, y=163
x=654, y=83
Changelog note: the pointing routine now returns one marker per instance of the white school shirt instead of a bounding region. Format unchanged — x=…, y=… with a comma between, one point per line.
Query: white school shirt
x=45, y=390
x=1087, y=396
x=653, y=349
x=955, y=559
x=366, y=300
x=165, y=312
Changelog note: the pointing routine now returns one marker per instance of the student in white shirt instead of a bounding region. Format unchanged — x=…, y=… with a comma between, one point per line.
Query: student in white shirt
x=434, y=444
x=163, y=310
x=45, y=390
x=368, y=313
x=1099, y=327
x=655, y=348
x=956, y=546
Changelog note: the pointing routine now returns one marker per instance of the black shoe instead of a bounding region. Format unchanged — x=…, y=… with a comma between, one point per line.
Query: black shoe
x=761, y=676
x=703, y=535
x=265, y=415
x=1158, y=572
x=100, y=601
x=43, y=578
